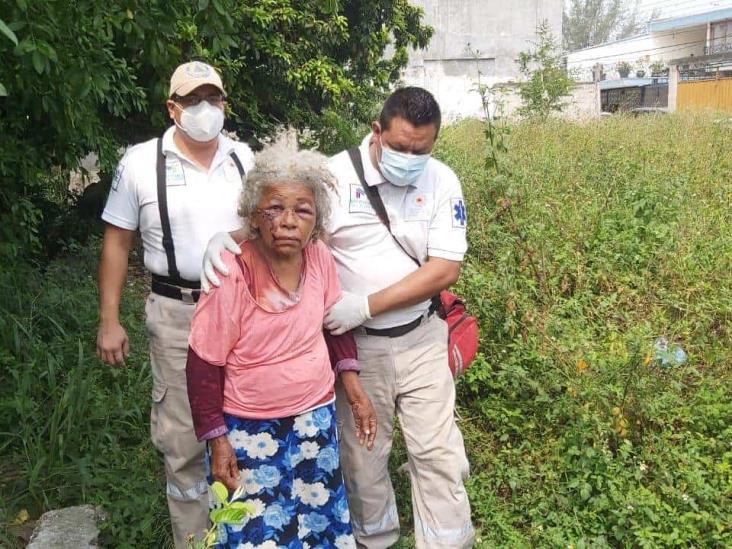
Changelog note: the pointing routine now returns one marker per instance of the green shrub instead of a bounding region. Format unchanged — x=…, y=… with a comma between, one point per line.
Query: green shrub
x=75, y=430
x=596, y=240
x=593, y=241
x=95, y=77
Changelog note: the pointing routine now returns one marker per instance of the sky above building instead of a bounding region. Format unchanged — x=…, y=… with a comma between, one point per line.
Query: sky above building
x=673, y=8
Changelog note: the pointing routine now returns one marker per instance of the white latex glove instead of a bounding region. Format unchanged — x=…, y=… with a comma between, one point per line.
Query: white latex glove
x=212, y=261
x=352, y=310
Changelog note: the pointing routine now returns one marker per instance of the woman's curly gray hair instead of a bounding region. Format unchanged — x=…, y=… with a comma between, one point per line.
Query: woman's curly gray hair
x=283, y=162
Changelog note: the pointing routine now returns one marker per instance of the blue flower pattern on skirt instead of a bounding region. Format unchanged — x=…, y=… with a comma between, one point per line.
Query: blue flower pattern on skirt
x=291, y=473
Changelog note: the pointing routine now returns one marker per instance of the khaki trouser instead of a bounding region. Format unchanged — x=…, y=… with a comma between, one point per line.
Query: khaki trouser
x=408, y=375
x=171, y=426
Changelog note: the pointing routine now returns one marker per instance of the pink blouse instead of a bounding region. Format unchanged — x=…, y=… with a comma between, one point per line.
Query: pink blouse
x=276, y=363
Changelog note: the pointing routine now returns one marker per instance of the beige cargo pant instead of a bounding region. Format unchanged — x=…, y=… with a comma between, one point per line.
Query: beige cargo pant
x=171, y=427
x=408, y=375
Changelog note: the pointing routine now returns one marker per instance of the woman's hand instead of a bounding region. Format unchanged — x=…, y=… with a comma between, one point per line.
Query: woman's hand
x=363, y=411
x=223, y=463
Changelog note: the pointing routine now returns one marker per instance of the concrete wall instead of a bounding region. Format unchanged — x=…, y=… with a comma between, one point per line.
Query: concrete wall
x=583, y=103
x=640, y=52
x=476, y=39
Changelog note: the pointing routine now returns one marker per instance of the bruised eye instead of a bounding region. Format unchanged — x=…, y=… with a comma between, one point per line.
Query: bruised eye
x=274, y=212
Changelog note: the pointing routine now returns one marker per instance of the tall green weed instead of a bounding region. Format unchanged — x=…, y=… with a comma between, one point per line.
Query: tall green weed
x=75, y=430
x=591, y=242
x=594, y=241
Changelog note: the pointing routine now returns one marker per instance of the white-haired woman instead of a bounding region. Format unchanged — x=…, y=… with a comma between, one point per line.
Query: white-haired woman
x=260, y=379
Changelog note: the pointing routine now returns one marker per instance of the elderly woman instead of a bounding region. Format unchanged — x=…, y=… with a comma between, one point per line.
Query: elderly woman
x=260, y=380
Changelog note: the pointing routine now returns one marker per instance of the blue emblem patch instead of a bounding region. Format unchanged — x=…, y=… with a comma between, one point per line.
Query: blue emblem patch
x=459, y=213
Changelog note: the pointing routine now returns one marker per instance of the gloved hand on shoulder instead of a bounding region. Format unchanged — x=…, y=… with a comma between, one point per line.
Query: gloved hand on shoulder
x=212, y=261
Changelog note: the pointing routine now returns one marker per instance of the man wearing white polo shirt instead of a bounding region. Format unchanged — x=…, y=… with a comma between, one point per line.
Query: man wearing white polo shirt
x=402, y=344
x=178, y=190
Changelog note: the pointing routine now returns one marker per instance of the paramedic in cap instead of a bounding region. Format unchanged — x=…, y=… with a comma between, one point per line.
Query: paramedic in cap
x=177, y=190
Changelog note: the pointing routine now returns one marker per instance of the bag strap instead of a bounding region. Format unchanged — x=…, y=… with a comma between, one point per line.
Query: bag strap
x=168, y=245
x=377, y=203
x=238, y=163
x=372, y=193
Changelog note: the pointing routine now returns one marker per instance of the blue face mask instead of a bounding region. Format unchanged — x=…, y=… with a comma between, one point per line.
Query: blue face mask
x=401, y=169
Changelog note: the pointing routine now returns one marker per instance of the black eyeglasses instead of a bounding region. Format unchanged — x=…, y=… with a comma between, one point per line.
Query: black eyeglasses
x=192, y=100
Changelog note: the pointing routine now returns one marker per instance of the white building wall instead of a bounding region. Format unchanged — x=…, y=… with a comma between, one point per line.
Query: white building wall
x=476, y=40
x=583, y=103
x=640, y=52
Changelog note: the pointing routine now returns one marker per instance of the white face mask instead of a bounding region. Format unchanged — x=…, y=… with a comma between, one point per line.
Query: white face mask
x=202, y=122
x=401, y=169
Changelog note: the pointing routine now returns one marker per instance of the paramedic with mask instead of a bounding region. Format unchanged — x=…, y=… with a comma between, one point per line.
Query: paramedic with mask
x=178, y=191
x=402, y=343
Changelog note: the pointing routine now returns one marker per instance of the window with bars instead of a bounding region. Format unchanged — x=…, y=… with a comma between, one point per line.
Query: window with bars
x=720, y=38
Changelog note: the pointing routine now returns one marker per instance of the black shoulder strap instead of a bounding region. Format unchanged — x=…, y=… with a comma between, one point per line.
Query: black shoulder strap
x=236, y=160
x=164, y=219
x=378, y=205
x=372, y=192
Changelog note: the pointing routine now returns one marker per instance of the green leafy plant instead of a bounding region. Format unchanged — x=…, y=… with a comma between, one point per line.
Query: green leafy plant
x=94, y=78
x=545, y=81
x=230, y=511
x=658, y=68
x=576, y=433
x=10, y=35
x=623, y=68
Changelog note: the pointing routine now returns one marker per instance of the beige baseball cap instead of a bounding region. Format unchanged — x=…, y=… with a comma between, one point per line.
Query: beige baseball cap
x=188, y=76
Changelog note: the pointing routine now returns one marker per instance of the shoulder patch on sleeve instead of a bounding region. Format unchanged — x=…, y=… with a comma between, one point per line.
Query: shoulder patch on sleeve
x=459, y=213
x=118, y=176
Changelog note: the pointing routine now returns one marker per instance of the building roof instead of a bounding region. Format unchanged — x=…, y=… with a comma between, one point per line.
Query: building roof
x=611, y=42
x=626, y=83
x=694, y=20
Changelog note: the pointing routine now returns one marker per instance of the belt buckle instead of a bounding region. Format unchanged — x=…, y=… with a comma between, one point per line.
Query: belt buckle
x=186, y=296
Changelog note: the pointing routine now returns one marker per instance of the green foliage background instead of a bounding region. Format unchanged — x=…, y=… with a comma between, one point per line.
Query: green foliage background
x=590, y=242
x=545, y=81
x=587, y=243
x=92, y=75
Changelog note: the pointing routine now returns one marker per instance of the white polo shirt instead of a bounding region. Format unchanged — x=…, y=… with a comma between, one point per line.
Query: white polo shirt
x=200, y=203
x=428, y=217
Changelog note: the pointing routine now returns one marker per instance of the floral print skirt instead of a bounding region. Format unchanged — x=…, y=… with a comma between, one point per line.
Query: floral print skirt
x=290, y=471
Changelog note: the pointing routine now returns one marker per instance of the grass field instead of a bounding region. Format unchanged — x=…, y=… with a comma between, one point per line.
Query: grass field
x=592, y=242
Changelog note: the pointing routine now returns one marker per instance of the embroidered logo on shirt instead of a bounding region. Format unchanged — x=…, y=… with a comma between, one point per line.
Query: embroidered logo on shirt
x=459, y=214
x=117, y=177
x=359, y=202
x=416, y=208
x=174, y=175
x=231, y=172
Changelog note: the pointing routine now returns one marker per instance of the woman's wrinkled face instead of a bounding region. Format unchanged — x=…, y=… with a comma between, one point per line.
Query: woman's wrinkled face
x=285, y=218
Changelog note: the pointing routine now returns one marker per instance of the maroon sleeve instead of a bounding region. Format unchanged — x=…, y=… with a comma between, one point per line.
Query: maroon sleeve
x=206, y=395
x=342, y=351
